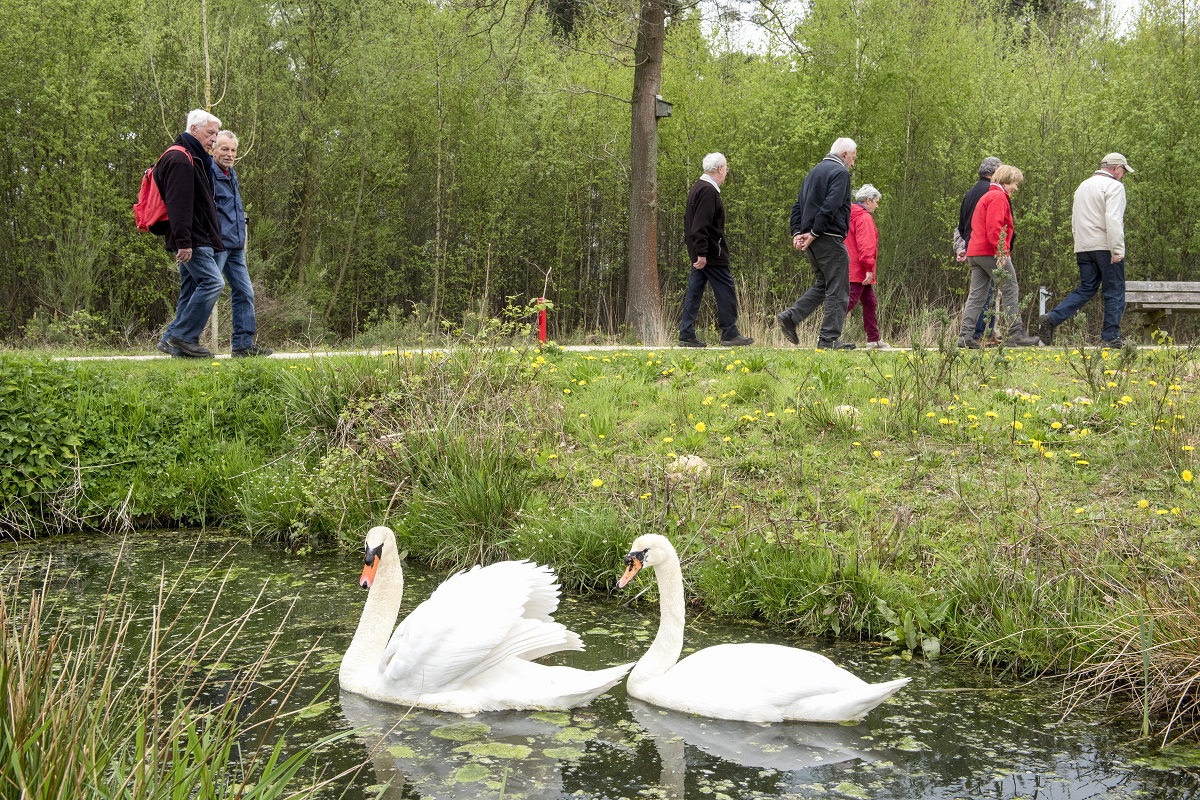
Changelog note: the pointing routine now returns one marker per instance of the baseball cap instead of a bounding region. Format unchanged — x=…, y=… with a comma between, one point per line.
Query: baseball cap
x=1116, y=160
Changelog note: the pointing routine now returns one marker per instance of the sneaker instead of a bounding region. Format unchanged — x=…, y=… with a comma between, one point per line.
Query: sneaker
x=969, y=344
x=787, y=327
x=877, y=345
x=836, y=344
x=737, y=341
x=189, y=349
x=163, y=347
x=1046, y=329
x=1021, y=339
x=252, y=350
x=1117, y=343
x=691, y=343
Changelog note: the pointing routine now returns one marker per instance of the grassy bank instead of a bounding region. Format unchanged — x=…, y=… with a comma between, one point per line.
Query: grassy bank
x=1032, y=509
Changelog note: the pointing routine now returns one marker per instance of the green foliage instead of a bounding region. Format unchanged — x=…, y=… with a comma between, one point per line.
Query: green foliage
x=39, y=434
x=498, y=170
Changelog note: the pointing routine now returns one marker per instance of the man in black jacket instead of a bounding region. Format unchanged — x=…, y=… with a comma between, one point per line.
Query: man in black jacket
x=962, y=236
x=192, y=232
x=704, y=233
x=820, y=220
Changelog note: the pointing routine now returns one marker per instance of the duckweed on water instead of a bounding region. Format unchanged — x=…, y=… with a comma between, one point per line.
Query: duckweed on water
x=461, y=731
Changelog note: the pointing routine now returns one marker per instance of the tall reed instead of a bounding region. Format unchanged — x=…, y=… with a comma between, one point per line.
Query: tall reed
x=100, y=708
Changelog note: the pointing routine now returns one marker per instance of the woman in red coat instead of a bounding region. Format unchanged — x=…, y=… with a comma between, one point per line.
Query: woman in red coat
x=862, y=241
x=989, y=252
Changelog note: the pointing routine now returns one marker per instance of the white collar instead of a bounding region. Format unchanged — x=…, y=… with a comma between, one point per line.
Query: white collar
x=704, y=176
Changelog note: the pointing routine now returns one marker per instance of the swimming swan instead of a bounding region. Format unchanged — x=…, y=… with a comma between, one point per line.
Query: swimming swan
x=468, y=648
x=751, y=682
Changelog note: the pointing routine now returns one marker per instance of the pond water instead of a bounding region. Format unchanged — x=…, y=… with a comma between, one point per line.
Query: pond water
x=955, y=732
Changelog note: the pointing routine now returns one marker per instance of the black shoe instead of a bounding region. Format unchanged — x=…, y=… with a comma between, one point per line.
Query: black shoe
x=1046, y=329
x=252, y=350
x=1117, y=343
x=189, y=349
x=787, y=327
x=836, y=344
x=1021, y=339
x=691, y=343
x=969, y=344
x=737, y=341
x=163, y=347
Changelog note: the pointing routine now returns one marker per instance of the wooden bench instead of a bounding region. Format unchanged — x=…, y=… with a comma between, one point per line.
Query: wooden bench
x=1157, y=299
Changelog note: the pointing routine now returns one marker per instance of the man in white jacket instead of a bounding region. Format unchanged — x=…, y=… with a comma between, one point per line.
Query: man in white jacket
x=1098, y=222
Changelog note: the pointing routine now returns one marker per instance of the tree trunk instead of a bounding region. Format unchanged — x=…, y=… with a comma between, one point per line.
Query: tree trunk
x=643, y=305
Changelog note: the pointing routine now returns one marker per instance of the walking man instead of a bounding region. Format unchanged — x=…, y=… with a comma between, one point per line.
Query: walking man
x=191, y=232
x=704, y=233
x=1098, y=223
x=232, y=261
x=820, y=220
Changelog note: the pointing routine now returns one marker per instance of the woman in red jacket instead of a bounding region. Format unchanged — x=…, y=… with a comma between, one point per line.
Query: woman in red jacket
x=989, y=252
x=862, y=242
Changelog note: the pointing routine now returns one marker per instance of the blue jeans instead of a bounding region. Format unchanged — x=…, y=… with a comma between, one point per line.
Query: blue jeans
x=200, y=285
x=721, y=280
x=233, y=265
x=1096, y=269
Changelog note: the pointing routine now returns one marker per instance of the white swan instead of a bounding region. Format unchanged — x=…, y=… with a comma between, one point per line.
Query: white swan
x=751, y=682
x=468, y=647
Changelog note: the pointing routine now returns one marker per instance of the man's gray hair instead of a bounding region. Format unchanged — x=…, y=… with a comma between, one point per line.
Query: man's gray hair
x=198, y=118
x=227, y=134
x=843, y=145
x=867, y=192
x=988, y=168
x=713, y=162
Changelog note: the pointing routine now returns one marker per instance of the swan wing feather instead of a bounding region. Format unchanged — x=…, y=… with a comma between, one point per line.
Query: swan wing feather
x=472, y=622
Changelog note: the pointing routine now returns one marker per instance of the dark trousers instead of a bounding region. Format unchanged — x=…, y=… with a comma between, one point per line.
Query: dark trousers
x=866, y=293
x=831, y=263
x=1095, y=270
x=721, y=280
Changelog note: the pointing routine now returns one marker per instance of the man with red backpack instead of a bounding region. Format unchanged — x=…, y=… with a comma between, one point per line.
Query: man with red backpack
x=192, y=231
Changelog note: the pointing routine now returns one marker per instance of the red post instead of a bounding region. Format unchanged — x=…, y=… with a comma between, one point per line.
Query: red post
x=542, y=322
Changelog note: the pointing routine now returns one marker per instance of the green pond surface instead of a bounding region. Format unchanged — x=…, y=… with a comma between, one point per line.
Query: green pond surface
x=955, y=732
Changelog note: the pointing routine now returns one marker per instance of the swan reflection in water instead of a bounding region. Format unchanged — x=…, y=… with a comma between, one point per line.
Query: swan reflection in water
x=784, y=747
x=443, y=755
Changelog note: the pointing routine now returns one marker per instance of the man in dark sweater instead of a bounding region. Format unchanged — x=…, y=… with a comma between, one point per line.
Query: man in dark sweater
x=820, y=219
x=704, y=233
x=192, y=232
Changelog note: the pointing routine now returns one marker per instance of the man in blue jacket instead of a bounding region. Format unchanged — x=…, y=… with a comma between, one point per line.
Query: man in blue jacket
x=820, y=220
x=232, y=262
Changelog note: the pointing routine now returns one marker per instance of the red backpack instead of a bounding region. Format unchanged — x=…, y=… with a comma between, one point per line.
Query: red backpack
x=150, y=209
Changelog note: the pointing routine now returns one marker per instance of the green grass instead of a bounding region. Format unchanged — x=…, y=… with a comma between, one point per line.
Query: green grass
x=1002, y=505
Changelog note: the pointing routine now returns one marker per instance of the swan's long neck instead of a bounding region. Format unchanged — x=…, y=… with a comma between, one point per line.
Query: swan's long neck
x=378, y=618
x=664, y=652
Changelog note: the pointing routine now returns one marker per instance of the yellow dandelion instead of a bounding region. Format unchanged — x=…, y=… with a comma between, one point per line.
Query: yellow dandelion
x=1186, y=475
x=1143, y=503
x=1055, y=425
x=700, y=427
x=991, y=414
x=1187, y=448
x=1081, y=462
x=644, y=496
x=1017, y=425
x=597, y=482
x=667, y=440
x=876, y=453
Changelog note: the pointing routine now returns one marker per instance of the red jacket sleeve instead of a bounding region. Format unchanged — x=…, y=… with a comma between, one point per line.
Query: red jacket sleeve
x=867, y=238
x=998, y=223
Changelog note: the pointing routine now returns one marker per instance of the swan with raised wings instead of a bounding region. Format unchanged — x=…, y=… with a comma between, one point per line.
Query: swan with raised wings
x=751, y=682
x=469, y=647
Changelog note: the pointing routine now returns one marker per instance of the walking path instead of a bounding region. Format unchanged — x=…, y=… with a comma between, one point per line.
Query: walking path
x=582, y=348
